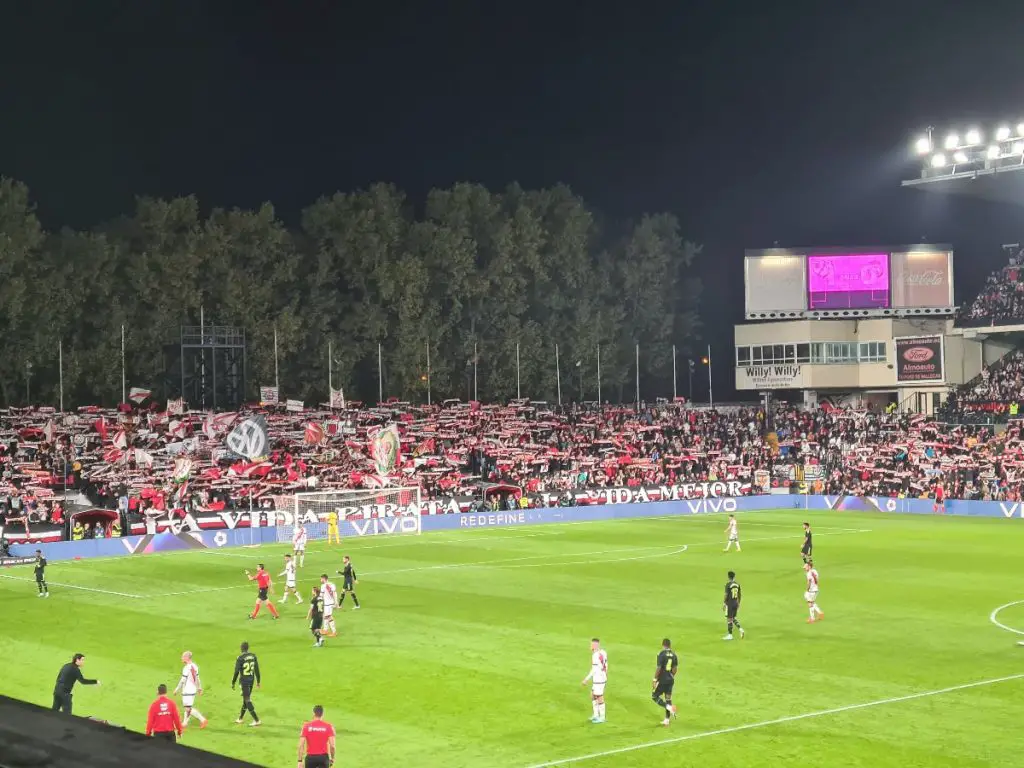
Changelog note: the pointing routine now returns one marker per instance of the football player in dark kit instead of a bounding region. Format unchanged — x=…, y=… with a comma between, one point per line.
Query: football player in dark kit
x=40, y=567
x=731, y=604
x=807, y=549
x=316, y=617
x=665, y=679
x=247, y=669
x=349, y=581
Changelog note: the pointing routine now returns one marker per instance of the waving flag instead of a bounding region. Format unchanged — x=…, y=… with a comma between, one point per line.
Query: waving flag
x=249, y=440
x=338, y=398
x=138, y=394
x=385, y=449
x=182, y=469
x=315, y=434
x=216, y=424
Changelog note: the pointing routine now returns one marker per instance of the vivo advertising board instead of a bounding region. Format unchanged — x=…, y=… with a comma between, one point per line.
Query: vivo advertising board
x=922, y=279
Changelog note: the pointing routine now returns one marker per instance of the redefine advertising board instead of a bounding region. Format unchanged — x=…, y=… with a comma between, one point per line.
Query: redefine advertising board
x=848, y=281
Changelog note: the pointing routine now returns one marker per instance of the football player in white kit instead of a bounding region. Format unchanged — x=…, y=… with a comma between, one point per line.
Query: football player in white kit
x=299, y=544
x=598, y=677
x=733, y=532
x=289, y=580
x=329, y=593
x=190, y=687
x=811, y=595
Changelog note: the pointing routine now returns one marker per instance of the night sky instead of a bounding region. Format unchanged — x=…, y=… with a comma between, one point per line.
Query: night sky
x=755, y=123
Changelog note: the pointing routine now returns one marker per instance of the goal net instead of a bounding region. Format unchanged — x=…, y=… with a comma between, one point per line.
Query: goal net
x=373, y=512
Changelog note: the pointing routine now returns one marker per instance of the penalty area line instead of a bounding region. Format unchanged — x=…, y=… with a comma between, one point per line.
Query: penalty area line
x=777, y=721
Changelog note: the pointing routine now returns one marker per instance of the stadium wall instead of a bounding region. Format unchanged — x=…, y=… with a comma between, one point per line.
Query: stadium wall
x=198, y=540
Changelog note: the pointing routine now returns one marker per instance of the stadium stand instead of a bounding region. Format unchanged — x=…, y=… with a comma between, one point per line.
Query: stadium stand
x=1001, y=299
x=145, y=463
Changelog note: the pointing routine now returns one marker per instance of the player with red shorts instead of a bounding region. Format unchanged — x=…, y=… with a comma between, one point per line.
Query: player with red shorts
x=940, y=496
x=263, y=582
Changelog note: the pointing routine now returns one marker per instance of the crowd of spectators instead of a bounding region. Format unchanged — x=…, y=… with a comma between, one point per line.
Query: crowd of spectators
x=141, y=462
x=1001, y=299
x=995, y=396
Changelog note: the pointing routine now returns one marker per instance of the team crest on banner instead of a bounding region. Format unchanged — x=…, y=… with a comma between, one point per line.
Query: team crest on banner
x=385, y=448
x=249, y=439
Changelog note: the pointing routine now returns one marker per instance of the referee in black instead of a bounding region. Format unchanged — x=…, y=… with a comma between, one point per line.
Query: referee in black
x=247, y=669
x=69, y=674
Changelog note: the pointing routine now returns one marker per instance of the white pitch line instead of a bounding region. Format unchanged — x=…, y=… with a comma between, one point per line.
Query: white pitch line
x=993, y=617
x=678, y=551
x=73, y=586
x=777, y=721
x=504, y=563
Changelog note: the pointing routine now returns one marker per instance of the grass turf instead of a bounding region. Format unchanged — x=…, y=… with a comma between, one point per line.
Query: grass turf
x=470, y=647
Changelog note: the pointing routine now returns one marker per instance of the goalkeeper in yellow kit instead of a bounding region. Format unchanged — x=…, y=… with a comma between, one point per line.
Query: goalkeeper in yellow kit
x=333, y=537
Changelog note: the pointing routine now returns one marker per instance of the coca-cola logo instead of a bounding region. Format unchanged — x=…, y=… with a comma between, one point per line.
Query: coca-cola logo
x=918, y=354
x=931, y=277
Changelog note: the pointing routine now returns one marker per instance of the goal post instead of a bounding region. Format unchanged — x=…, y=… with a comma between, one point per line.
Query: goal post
x=361, y=512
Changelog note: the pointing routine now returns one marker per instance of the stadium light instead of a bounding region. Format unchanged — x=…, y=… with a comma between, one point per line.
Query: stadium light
x=952, y=141
x=1002, y=133
x=993, y=152
x=974, y=136
x=923, y=145
x=938, y=160
x=1020, y=129
x=960, y=158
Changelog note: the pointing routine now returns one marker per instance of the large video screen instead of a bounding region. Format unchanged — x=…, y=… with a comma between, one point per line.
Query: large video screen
x=849, y=281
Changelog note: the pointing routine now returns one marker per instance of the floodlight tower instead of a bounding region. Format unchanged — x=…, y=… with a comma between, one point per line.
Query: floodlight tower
x=972, y=160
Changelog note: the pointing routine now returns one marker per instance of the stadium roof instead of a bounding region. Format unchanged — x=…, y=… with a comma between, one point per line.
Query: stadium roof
x=1000, y=185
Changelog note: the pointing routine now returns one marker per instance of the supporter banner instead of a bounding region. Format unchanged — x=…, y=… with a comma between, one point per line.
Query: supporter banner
x=919, y=358
x=294, y=406
x=922, y=279
x=268, y=395
x=770, y=377
x=338, y=398
x=208, y=521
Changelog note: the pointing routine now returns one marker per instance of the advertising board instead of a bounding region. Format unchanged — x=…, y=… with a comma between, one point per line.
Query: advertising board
x=848, y=281
x=775, y=281
x=919, y=359
x=922, y=279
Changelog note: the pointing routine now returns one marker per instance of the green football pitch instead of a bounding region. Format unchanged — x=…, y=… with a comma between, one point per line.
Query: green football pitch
x=470, y=646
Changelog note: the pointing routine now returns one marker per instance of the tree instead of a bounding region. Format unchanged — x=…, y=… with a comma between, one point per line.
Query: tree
x=478, y=277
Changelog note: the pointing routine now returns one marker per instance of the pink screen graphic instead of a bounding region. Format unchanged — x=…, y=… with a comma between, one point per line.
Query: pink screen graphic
x=856, y=281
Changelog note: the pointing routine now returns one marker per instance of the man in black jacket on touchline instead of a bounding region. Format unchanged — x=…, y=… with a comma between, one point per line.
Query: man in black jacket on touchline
x=69, y=674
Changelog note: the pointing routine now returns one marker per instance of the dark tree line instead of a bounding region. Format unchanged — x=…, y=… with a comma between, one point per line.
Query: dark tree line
x=468, y=270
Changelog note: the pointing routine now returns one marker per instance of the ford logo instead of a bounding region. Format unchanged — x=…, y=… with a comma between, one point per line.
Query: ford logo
x=918, y=354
